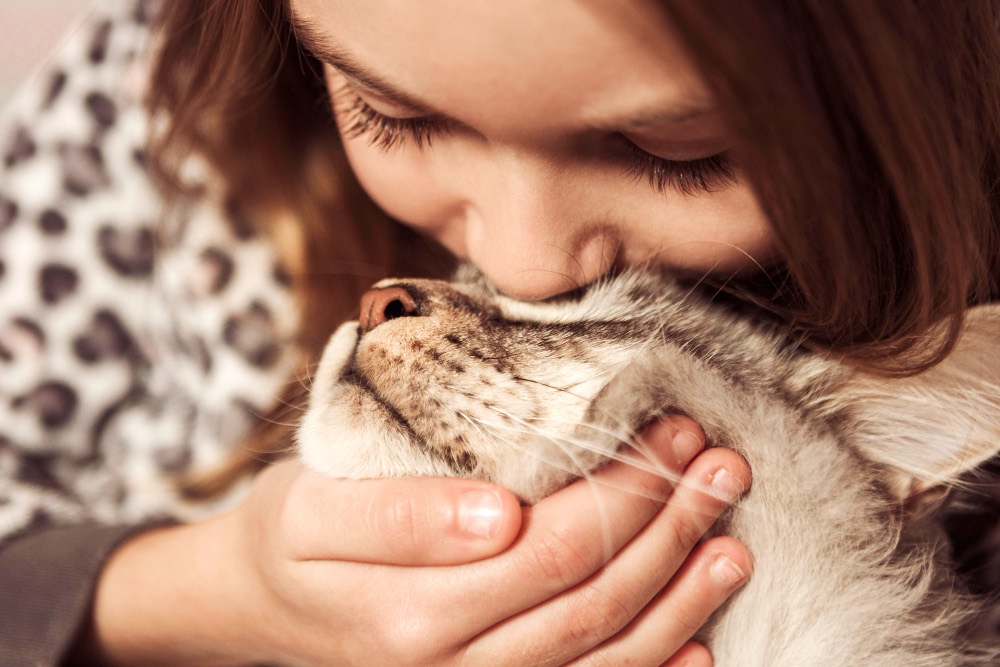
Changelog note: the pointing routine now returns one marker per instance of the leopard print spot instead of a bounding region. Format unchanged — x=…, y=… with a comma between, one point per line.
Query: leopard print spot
x=172, y=459
x=37, y=471
x=99, y=44
x=144, y=11
x=199, y=350
x=52, y=222
x=54, y=403
x=83, y=169
x=128, y=252
x=106, y=338
x=217, y=269
x=32, y=327
x=56, y=85
x=21, y=149
x=281, y=276
x=22, y=337
x=252, y=335
x=3, y=269
x=8, y=213
x=102, y=109
x=56, y=282
x=240, y=225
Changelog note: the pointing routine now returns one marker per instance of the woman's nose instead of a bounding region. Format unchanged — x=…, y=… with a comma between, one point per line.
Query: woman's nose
x=534, y=241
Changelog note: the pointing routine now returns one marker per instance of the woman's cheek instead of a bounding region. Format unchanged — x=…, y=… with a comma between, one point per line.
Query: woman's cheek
x=722, y=232
x=402, y=183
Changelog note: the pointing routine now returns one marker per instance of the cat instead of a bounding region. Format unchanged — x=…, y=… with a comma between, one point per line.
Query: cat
x=455, y=379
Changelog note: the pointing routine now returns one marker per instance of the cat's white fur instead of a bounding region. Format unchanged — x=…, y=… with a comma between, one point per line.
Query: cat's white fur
x=533, y=395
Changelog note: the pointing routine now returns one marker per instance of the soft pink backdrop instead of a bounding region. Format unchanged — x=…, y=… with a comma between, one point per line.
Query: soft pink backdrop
x=29, y=31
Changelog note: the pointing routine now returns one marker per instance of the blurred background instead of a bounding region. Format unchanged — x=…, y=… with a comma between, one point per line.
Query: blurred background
x=29, y=31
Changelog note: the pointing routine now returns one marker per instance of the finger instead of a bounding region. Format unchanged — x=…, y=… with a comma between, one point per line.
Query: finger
x=568, y=536
x=591, y=613
x=715, y=571
x=691, y=654
x=408, y=521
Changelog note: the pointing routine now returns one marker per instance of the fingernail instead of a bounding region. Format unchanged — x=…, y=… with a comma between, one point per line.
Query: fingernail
x=726, y=486
x=479, y=513
x=725, y=571
x=686, y=446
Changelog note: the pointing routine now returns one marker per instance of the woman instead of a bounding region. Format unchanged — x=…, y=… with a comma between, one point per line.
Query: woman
x=832, y=163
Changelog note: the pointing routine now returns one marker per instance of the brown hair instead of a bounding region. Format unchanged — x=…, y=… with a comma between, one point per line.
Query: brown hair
x=239, y=92
x=869, y=132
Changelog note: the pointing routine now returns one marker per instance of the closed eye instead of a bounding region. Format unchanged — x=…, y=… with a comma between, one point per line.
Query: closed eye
x=688, y=177
x=382, y=131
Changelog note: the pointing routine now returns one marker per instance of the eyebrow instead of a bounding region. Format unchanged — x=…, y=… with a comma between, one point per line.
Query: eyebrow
x=321, y=47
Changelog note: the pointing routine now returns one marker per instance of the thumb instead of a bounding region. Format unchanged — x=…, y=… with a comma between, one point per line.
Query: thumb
x=406, y=521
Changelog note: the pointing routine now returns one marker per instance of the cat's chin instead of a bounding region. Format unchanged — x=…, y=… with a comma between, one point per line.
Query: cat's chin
x=347, y=432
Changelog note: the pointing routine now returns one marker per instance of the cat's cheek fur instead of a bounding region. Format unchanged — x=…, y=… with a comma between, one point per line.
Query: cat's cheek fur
x=347, y=432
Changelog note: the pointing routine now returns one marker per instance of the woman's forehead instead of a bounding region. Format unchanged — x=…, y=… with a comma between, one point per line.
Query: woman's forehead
x=570, y=61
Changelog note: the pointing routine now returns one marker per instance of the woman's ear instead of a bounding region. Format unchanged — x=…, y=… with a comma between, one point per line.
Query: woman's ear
x=932, y=427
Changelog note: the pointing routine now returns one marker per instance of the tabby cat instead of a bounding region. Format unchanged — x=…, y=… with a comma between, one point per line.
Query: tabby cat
x=453, y=378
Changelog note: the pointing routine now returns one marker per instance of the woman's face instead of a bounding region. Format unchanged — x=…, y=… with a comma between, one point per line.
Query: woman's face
x=544, y=141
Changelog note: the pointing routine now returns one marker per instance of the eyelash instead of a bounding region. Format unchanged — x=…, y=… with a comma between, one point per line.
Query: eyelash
x=688, y=177
x=385, y=132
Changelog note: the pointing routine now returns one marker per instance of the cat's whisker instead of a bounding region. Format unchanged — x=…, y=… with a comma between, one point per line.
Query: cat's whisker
x=499, y=431
x=565, y=390
x=589, y=444
x=577, y=469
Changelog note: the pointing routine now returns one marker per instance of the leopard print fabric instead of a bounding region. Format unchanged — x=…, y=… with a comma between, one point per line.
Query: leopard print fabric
x=137, y=340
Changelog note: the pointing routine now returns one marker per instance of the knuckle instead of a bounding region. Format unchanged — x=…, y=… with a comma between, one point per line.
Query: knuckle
x=411, y=639
x=560, y=560
x=686, y=529
x=687, y=621
x=657, y=486
x=599, y=615
x=398, y=521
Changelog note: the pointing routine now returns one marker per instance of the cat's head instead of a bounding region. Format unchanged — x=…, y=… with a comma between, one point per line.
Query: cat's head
x=454, y=379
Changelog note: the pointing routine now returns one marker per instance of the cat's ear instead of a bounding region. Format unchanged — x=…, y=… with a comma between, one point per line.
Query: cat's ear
x=934, y=426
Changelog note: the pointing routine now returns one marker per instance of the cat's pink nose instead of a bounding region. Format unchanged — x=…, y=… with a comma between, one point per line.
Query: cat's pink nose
x=381, y=305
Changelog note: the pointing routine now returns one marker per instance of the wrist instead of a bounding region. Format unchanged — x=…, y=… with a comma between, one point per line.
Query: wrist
x=167, y=596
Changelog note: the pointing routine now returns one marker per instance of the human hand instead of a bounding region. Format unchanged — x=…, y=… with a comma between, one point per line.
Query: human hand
x=307, y=571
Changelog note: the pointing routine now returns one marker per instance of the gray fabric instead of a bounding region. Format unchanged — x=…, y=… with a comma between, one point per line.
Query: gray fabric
x=47, y=582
